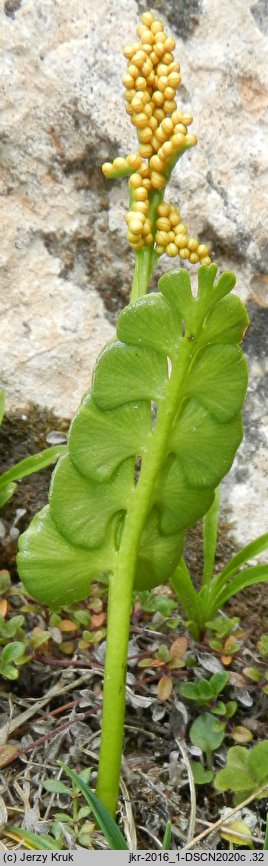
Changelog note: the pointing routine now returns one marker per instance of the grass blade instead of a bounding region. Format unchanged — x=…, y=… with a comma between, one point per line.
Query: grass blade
x=6, y=493
x=182, y=584
x=252, y=549
x=32, y=464
x=41, y=843
x=167, y=838
x=247, y=577
x=104, y=820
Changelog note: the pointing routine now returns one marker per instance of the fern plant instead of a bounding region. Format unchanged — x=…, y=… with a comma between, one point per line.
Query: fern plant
x=161, y=423
x=182, y=355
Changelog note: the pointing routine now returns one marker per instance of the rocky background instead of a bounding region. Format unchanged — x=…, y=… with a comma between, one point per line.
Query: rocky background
x=65, y=265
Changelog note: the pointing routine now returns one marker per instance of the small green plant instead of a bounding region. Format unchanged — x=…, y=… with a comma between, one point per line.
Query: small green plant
x=206, y=692
x=161, y=424
x=246, y=771
x=207, y=733
x=25, y=467
x=10, y=628
x=73, y=628
x=12, y=655
x=259, y=673
x=77, y=823
x=151, y=603
x=263, y=645
x=202, y=776
x=224, y=635
x=202, y=605
x=82, y=832
x=104, y=819
x=222, y=627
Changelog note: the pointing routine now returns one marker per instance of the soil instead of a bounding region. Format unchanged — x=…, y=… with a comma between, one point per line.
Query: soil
x=66, y=724
x=22, y=433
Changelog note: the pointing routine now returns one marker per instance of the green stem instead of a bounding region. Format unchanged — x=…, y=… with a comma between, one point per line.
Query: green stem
x=121, y=587
x=119, y=610
x=210, y=529
x=146, y=258
x=121, y=583
x=142, y=273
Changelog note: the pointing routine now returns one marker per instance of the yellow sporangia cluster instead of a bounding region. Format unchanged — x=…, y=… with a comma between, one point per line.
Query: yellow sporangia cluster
x=172, y=237
x=151, y=81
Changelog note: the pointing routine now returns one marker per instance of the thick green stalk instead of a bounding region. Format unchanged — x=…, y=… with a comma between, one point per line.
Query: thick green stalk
x=143, y=269
x=121, y=587
x=210, y=529
x=146, y=258
x=119, y=609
